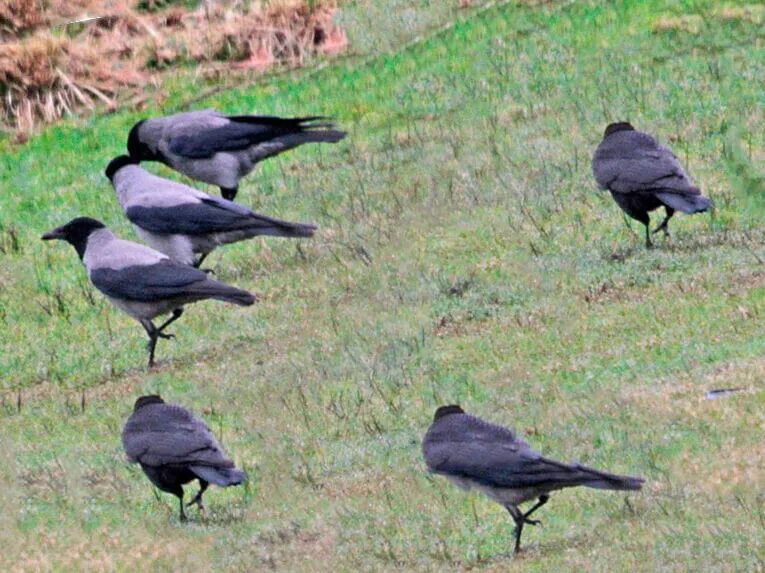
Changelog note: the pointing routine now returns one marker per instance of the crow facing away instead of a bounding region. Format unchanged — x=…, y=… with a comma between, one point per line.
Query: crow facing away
x=184, y=223
x=219, y=149
x=174, y=447
x=643, y=175
x=140, y=281
x=472, y=453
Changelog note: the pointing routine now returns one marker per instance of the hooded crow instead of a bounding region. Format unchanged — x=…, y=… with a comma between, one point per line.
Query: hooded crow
x=184, y=223
x=220, y=149
x=643, y=175
x=174, y=448
x=140, y=281
x=472, y=453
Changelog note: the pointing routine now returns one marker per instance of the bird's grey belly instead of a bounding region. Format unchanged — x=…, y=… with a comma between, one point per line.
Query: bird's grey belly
x=503, y=496
x=145, y=310
x=506, y=496
x=185, y=248
x=177, y=247
x=222, y=169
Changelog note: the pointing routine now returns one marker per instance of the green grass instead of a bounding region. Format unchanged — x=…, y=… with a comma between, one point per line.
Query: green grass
x=465, y=256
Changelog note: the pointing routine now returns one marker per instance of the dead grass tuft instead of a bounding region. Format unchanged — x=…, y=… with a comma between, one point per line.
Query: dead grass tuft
x=112, y=46
x=18, y=16
x=687, y=23
x=43, y=78
x=754, y=13
x=286, y=32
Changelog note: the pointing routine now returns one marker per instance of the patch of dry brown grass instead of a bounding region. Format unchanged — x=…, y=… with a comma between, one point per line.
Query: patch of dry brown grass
x=17, y=16
x=112, y=46
x=44, y=77
x=687, y=23
x=754, y=13
x=693, y=23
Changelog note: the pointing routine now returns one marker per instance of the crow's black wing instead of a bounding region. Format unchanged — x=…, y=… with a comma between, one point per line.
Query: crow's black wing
x=240, y=133
x=505, y=466
x=163, y=434
x=633, y=162
x=149, y=283
x=198, y=218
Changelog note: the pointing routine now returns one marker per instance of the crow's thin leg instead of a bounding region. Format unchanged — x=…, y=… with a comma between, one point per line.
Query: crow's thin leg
x=648, y=243
x=198, y=498
x=200, y=260
x=183, y=513
x=151, y=330
x=543, y=499
x=229, y=192
x=152, y=347
x=148, y=326
x=664, y=226
x=519, y=519
x=176, y=315
x=198, y=264
x=156, y=333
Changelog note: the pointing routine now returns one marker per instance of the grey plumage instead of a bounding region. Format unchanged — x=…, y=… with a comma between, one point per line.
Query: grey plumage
x=473, y=453
x=220, y=149
x=184, y=223
x=643, y=175
x=174, y=447
x=140, y=281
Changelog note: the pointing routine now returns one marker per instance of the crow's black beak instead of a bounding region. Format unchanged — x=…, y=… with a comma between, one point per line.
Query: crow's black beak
x=54, y=234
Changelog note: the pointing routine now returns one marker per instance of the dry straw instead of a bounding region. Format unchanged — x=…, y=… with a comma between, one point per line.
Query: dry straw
x=58, y=57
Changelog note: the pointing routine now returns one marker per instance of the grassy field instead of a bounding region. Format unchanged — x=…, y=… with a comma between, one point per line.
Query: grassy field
x=465, y=255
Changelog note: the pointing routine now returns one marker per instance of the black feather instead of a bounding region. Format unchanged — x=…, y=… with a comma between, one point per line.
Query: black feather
x=211, y=216
x=165, y=280
x=244, y=132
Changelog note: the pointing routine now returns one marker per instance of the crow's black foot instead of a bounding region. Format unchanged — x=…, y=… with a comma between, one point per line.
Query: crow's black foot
x=662, y=227
x=531, y=521
x=198, y=503
x=165, y=336
x=229, y=193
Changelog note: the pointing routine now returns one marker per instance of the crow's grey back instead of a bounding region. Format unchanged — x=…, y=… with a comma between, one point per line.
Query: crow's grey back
x=164, y=434
x=465, y=446
x=632, y=161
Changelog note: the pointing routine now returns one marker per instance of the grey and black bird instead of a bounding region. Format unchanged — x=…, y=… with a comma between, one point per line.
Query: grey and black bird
x=643, y=175
x=174, y=447
x=184, y=223
x=140, y=281
x=472, y=453
x=221, y=149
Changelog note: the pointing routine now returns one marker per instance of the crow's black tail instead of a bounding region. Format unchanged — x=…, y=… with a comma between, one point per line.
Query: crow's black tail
x=685, y=202
x=225, y=293
x=543, y=472
x=222, y=477
x=603, y=480
x=264, y=225
x=311, y=135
